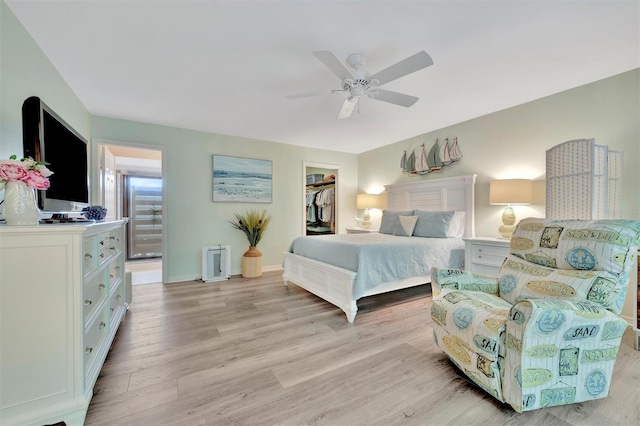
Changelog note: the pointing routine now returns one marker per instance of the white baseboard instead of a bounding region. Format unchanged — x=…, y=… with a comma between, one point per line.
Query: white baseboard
x=188, y=278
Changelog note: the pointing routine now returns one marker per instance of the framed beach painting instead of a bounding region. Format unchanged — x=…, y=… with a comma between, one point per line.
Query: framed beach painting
x=242, y=180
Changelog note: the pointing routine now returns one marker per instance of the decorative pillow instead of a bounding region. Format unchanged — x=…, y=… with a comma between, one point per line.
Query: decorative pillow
x=520, y=279
x=457, y=225
x=390, y=219
x=405, y=226
x=432, y=224
x=577, y=244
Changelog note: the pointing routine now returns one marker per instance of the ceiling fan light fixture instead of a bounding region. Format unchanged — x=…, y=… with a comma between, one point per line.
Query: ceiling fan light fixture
x=357, y=81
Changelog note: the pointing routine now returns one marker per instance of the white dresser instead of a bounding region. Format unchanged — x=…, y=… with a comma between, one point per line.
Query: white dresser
x=485, y=255
x=62, y=298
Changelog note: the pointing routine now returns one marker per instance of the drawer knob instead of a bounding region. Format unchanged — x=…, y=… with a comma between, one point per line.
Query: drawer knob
x=111, y=309
x=117, y=268
x=112, y=237
x=88, y=350
x=101, y=286
x=102, y=325
x=101, y=255
x=87, y=256
x=112, y=248
x=118, y=297
x=88, y=302
x=110, y=276
x=479, y=257
x=101, y=242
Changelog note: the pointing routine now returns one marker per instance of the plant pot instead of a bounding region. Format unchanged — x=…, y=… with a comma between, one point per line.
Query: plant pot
x=20, y=206
x=252, y=263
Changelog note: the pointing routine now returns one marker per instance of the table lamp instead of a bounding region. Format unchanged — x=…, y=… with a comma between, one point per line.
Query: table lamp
x=369, y=201
x=509, y=192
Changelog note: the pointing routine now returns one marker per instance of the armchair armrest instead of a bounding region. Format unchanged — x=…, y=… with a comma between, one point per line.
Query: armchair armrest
x=559, y=352
x=458, y=279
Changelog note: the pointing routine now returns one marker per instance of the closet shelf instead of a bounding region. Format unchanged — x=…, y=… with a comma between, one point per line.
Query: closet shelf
x=323, y=183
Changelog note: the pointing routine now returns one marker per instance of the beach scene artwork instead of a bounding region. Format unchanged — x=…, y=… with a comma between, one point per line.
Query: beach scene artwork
x=245, y=180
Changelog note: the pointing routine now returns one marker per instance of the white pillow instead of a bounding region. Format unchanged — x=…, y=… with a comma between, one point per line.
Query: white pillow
x=405, y=226
x=457, y=225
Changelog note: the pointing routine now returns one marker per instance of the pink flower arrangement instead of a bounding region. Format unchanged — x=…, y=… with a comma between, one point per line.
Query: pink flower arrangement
x=34, y=173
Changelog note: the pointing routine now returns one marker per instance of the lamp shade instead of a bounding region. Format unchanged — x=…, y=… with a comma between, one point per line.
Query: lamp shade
x=510, y=191
x=371, y=201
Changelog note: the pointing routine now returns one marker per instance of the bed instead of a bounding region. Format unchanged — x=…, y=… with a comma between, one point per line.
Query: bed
x=340, y=286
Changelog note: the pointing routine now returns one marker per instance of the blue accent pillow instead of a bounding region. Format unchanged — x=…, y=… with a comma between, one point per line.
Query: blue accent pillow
x=432, y=224
x=390, y=220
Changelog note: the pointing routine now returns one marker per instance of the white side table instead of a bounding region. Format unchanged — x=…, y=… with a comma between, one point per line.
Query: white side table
x=361, y=231
x=485, y=255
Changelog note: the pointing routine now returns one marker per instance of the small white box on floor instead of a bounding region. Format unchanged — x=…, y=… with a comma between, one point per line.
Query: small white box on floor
x=216, y=263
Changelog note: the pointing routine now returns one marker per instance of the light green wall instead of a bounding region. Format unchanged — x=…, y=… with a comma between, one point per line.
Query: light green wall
x=25, y=71
x=512, y=144
x=193, y=220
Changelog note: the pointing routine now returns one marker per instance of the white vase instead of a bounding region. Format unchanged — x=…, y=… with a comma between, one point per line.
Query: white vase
x=20, y=206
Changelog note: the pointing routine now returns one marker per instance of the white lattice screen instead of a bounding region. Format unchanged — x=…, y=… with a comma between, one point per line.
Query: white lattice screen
x=584, y=181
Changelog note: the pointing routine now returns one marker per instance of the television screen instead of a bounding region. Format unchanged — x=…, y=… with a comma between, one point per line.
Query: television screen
x=48, y=138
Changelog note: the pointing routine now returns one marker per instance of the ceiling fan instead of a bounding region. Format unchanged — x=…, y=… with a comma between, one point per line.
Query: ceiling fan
x=358, y=82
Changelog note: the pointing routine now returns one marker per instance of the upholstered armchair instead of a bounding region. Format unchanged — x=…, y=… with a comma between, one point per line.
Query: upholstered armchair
x=546, y=331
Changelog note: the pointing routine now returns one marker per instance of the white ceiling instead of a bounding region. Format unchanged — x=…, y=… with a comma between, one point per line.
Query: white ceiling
x=233, y=67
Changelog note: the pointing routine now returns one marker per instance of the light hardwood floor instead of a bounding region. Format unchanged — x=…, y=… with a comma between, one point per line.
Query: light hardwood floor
x=255, y=352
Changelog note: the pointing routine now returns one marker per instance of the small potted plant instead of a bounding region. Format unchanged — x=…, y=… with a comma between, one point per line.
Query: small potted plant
x=253, y=224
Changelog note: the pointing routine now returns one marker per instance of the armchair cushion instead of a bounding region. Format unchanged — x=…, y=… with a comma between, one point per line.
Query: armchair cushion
x=520, y=280
x=471, y=327
x=458, y=279
x=576, y=244
x=559, y=352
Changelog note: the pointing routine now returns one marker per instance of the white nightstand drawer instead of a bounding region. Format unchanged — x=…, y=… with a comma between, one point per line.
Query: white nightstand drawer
x=488, y=255
x=485, y=255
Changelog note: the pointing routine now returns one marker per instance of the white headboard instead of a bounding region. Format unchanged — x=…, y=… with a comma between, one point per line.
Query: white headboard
x=453, y=193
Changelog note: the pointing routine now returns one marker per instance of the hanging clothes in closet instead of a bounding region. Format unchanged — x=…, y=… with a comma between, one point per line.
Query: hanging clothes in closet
x=320, y=204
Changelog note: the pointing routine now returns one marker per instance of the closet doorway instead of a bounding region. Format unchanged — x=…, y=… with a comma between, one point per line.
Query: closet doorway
x=320, y=198
x=131, y=188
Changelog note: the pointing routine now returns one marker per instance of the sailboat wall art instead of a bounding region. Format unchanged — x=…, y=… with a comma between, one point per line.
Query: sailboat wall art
x=439, y=157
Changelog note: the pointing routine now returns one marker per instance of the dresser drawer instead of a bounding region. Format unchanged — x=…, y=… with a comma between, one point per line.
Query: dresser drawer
x=116, y=272
x=116, y=302
x=89, y=254
x=94, y=337
x=94, y=291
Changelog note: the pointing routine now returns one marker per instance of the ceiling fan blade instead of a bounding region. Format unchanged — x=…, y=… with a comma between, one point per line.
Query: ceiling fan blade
x=347, y=107
x=332, y=62
x=393, y=97
x=400, y=69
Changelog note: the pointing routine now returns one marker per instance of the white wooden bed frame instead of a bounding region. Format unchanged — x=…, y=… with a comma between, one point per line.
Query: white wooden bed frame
x=336, y=285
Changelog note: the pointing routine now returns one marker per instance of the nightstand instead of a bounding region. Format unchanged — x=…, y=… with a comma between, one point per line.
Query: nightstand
x=485, y=255
x=362, y=231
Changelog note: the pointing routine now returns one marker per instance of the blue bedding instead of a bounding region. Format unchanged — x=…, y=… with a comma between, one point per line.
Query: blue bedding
x=379, y=258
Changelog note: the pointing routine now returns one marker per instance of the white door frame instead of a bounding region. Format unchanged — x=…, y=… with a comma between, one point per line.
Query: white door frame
x=335, y=167
x=96, y=184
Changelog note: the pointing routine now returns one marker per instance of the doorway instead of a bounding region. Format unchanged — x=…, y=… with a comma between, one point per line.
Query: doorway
x=131, y=188
x=320, y=198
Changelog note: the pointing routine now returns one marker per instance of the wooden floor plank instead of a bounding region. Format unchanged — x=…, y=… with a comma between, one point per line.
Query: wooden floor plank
x=254, y=351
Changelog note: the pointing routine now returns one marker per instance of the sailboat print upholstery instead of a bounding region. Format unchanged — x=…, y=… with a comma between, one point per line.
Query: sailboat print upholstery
x=546, y=330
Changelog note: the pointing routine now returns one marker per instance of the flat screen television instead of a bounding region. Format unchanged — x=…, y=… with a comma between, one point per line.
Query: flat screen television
x=48, y=138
